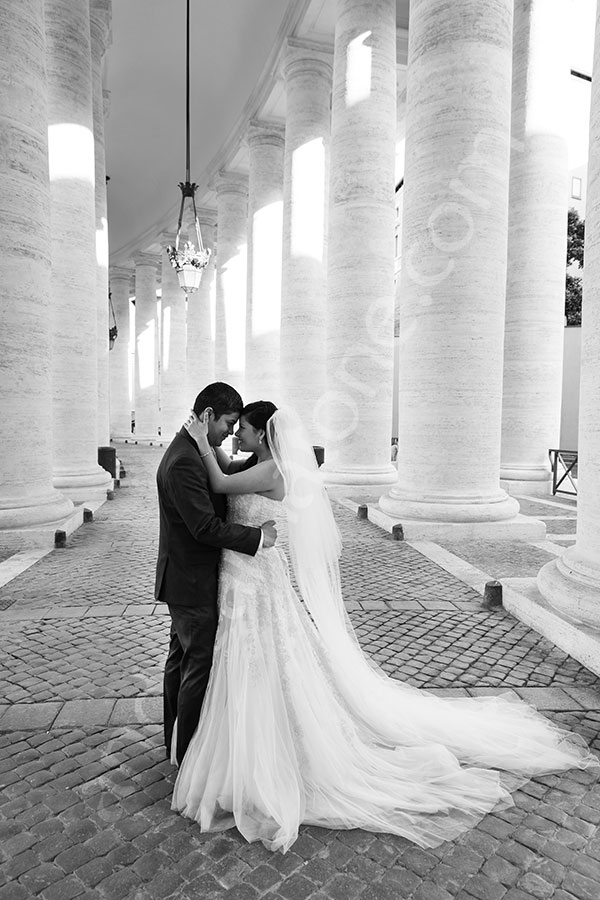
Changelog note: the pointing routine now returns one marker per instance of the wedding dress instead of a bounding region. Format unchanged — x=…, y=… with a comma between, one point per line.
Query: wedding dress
x=298, y=726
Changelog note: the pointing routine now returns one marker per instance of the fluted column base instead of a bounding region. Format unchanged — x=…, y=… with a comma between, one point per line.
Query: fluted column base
x=359, y=475
x=495, y=507
x=571, y=584
x=533, y=481
x=518, y=528
x=30, y=510
x=80, y=486
x=525, y=473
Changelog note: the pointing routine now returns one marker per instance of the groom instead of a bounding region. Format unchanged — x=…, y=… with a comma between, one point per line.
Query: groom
x=192, y=534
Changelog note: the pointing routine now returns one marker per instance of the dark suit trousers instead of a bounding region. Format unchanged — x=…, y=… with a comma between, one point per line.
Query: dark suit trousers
x=187, y=669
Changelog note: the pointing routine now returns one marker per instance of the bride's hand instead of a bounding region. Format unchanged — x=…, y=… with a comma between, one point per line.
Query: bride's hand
x=198, y=429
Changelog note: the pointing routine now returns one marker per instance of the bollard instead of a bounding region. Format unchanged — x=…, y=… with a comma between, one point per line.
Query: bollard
x=397, y=533
x=492, y=595
x=362, y=512
x=88, y=515
x=60, y=539
x=110, y=495
x=117, y=482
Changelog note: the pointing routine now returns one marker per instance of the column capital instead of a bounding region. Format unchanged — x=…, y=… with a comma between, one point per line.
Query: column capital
x=146, y=259
x=207, y=217
x=120, y=272
x=307, y=56
x=231, y=183
x=265, y=133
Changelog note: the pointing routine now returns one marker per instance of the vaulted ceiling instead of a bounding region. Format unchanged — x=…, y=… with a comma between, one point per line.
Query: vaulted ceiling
x=235, y=50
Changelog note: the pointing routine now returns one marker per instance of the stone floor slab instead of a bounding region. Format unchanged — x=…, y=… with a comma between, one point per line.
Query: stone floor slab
x=28, y=715
x=136, y=711
x=548, y=698
x=85, y=712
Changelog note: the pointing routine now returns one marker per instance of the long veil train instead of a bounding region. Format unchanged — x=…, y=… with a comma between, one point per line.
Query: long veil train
x=476, y=730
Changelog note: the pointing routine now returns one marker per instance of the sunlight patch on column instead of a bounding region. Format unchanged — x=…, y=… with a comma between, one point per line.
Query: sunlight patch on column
x=308, y=200
x=166, y=338
x=71, y=153
x=266, y=268
x=234, y=274
x=102, y=244
x=131, y=353
x=212, y=301
x=548, y=79
x=145, y=348
x=358, y=70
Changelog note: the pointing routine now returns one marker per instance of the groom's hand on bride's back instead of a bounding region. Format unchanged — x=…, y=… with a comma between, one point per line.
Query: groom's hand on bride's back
x=269, y=534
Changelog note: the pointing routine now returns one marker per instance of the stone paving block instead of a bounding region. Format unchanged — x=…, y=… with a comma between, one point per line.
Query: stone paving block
x=67, y=889
x=41, y=877
x=428, y=890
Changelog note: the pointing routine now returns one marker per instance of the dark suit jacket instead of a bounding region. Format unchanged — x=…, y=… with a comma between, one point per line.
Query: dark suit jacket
x=192, y=528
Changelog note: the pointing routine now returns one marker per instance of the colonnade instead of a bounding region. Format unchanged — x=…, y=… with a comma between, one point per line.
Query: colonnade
x=53, y=390
x=298, y=302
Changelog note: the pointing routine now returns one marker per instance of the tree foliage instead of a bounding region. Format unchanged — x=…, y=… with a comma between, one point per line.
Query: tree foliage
x=573, y=287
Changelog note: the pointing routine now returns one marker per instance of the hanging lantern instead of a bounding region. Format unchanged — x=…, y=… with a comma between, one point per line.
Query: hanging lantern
x=189, y=278
x=190, y=260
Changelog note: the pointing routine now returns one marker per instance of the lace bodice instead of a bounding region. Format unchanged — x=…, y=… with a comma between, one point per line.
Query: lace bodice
x=254, y=509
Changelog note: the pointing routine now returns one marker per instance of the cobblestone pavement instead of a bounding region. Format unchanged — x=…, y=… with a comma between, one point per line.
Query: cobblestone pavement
x=85, y=789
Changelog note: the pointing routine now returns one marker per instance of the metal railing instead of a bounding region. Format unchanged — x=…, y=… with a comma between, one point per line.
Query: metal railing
x=564, y=464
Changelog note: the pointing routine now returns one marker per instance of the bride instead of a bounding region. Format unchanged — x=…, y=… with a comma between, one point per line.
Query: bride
x=298, y=725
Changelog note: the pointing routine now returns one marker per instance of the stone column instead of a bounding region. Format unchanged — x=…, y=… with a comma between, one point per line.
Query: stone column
x=454, y=264
x=355, y=414
x=303, y=381
x=174, y=402
x=231, y=278
x=265, y=212
x=100, y=16
x=121, y=403
x=572, y=582
x=146, y=395
x=73, y=218
x=200, y=317
x=537, y=229
x=27, y=496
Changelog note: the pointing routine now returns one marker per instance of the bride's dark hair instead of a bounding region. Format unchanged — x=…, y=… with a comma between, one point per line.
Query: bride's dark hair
x=258, y=414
